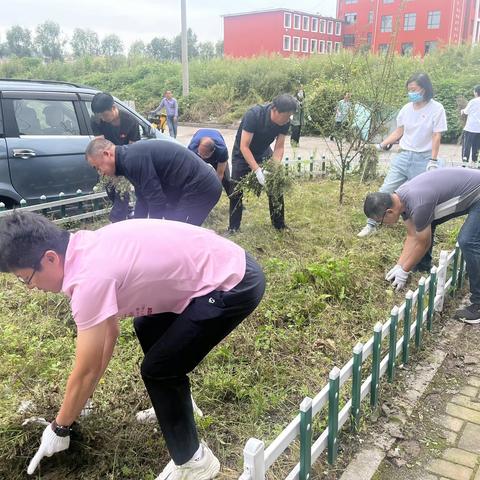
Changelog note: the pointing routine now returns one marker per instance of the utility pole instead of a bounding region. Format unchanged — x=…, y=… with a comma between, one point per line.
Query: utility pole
x=185, y=79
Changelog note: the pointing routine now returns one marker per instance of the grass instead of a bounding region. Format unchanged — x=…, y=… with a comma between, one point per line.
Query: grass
x=325, y=292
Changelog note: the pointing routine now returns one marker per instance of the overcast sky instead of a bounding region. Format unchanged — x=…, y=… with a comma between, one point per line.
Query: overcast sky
x=140, y=19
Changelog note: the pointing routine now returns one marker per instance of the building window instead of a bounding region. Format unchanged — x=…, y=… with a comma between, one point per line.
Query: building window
x=338, y=28
x=296, y=21
x=386, y=23
x=388, y=1
x=286, y=43
x=383, y=48
x=296, y=44
x=329, y=46
x=430, y=47
x=305, y=45
x=287, y=20
x=321, y=46
x=306, y=24
x=348, y=2
x=322, y=26
x=349, y=40
x=314, y=24
x=313, y=45
x=350, y=18
x=409, y=21
x=370, y=17
x=433, y=20
x=337, y=46
x=407, y=48
x=330, y=28
x=369, y=38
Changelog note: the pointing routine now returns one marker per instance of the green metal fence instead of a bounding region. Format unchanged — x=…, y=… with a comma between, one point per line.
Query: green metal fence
x=411, y=319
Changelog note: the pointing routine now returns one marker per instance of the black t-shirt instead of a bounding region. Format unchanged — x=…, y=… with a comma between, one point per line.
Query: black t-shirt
x=128, y=130
x=257, y=121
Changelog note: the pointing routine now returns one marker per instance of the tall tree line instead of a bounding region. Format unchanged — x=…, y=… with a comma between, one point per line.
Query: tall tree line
x=48, y=42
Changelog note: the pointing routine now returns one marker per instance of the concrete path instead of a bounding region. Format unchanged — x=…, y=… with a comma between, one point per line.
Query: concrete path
x=319, y=146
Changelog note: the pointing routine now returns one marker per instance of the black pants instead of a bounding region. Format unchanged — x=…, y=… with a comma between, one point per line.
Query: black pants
x=295, y=133
x=276, y=205
x=470, y=143
x=120, y=208
x=227, y=181
x=174, y=344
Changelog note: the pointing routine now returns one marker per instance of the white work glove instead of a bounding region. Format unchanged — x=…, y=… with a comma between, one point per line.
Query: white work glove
x=432, y=165
x=260, y=176
x=51, y=443
x=398, y=276
x=379, y=147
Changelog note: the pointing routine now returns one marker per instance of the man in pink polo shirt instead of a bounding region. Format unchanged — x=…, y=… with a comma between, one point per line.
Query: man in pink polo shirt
x=187, y=288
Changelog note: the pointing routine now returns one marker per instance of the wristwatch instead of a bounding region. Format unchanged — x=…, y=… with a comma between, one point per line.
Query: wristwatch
x=434, y=159
x=61, y=430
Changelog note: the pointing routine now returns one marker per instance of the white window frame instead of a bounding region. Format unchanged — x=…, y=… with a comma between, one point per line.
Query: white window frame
x=305, y=20
x=297, y=21
x=288, y=39
x=351, y=18
x=337, y=47
x=314, y=26
x=285, y=23
x=313, y=45
x=321, y=46
x=384, y=26
x=296, y=40
x=349, y=2
x=305, y=43
x=349, y=36
x=338, y=28
x=329, y=46
x=414, y=22
x=370, y=17
x=322, y=27
x=330, y=27
x=430, y=25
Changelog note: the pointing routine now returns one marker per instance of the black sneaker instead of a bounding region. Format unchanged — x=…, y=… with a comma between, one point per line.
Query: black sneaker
x=470, y=314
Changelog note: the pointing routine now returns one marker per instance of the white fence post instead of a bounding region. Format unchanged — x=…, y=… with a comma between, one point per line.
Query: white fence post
x=253, y=460
x=441, y=279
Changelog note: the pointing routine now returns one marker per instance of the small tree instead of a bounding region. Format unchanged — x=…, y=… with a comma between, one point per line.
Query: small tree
x=48, y=41
x=85, y=43
x=19, y=42
x=160, y=49
x=112, y=46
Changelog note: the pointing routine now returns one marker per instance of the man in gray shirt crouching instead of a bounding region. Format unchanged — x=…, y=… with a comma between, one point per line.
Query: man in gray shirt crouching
x=424, y=202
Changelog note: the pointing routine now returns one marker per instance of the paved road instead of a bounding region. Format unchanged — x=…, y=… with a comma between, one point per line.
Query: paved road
x=318, y=146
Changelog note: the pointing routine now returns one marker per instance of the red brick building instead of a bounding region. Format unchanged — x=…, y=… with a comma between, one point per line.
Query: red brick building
x=413, y=26
x=283, y=31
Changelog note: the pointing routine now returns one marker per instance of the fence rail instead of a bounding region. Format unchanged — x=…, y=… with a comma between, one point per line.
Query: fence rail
x=411, y=319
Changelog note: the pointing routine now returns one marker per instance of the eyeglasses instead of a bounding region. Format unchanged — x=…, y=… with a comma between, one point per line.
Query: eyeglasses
x=383, y=218
x=35, y=270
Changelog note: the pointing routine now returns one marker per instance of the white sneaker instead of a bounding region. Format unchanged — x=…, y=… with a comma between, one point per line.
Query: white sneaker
x=206, y=468
x=366, y=231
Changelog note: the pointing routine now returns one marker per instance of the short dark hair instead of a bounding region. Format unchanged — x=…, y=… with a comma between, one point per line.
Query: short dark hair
x=476, y=89
x=423, y=80
x=25, y=237
x=285, y=103
x=96, y=146
x=376, y=204
x=102, y=102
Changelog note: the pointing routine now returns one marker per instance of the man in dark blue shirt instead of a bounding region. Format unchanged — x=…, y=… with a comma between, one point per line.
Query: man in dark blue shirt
x=121, y=129
x=259, y=127
x=210, y=146
x=170, y=181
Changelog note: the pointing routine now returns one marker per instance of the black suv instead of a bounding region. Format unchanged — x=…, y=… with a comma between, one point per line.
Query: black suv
x=44, y=131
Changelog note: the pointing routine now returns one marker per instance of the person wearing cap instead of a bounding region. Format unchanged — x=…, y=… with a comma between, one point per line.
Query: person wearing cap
x=120, y=128
x=187, y=289
x=210, y=146
x=170, y=181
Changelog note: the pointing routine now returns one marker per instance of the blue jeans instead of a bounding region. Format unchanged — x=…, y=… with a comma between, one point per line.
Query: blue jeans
x=469, y=241
x=403, y=167
x=172, y=126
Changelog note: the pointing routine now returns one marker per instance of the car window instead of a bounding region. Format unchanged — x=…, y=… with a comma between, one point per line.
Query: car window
x=144, y=129
x=46, y=117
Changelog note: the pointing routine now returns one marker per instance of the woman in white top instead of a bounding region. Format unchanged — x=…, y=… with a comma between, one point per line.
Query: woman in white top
x=471, y=132
x=420, y=124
